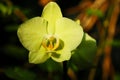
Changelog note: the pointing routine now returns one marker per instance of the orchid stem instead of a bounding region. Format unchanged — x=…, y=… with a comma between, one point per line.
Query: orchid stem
x=65, y=68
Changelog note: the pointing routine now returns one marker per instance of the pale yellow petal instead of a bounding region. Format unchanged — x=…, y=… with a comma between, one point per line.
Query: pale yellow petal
x=64, y=55
x=39, y=56
x=32, y=32
x=51, y=13
x=69, y=32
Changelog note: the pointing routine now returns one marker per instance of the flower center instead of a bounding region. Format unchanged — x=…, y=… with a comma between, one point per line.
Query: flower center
x=51, y=43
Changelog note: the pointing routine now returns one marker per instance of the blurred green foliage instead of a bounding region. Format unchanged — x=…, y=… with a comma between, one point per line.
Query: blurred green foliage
x=117, y=76
x=18, y=73
x=95, y=12
x=84, y=54
x=14, y=58
x=5, y=10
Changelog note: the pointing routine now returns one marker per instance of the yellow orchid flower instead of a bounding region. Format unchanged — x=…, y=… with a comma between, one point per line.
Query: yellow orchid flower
x=50, y=35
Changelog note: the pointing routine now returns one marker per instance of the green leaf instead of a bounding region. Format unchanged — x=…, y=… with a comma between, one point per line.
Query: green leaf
x=84, y=55
x=51, y=66
x=115, y=43
x=95, y=12
x=18, y=73
x=5, y=10
x=117, y=76
x=14, y=51
x=11, y=28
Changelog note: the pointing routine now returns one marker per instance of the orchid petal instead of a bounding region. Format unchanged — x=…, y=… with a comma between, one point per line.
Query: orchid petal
x=39, y=56
x=70, y=32
x=51, y=13
x=32, y=32
x=65, y=54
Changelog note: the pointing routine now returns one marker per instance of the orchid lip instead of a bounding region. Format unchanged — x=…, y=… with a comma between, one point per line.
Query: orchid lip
x=51, y=43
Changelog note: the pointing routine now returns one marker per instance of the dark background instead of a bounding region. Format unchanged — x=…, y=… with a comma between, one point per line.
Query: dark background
x=14, y=63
